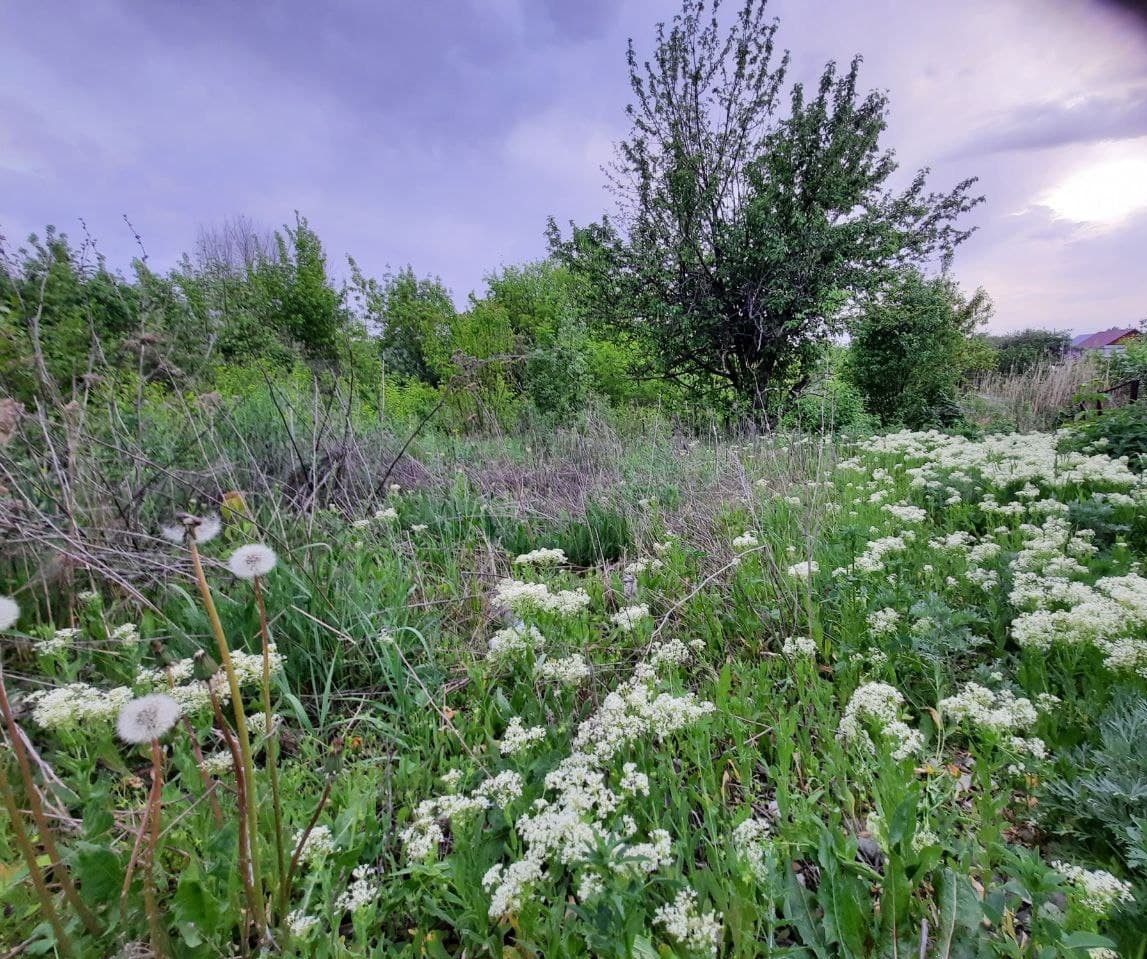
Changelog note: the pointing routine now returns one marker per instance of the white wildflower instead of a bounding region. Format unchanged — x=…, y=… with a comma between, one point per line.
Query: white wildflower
x=627, y=619
x=517, y=738
x=695, y=930
x=570, y=671
x=541, y=557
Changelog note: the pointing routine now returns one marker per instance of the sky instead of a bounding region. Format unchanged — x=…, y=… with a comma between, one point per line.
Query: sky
x=443, y=134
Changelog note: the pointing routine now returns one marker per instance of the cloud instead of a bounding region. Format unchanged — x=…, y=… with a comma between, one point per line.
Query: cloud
x=443, y=134
x=1085, y=119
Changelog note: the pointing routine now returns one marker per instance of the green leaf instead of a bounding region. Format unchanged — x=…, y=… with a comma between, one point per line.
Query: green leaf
x=959, y=910
x=1087, y=940
x=194, y=908
x=98, y=872
x=798, y=910
x=643, y=949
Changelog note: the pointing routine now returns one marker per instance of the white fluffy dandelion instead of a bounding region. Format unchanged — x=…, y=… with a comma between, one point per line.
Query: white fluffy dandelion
x=147, y=718
x=9, y=612
x=253, y=560
x=204, y=528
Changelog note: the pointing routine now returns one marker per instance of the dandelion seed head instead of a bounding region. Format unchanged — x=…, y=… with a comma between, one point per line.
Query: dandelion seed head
x=9, y=612
x=209, y=527
x=176, y=533
x=147, y=718
x=252, y=560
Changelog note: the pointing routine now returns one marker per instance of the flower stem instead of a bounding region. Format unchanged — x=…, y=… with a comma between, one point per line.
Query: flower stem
x=154, y=805
x=37, y=808
x=240, y=729
x=20, y=834
x=272, y=748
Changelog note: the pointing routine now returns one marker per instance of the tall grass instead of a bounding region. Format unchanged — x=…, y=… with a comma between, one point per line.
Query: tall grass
x=1034, y=399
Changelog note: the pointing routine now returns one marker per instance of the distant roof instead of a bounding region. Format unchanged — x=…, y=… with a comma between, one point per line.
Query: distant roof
x=1096, y=341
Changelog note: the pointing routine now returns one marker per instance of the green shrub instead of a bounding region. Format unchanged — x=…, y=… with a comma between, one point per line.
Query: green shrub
x=1117, y=432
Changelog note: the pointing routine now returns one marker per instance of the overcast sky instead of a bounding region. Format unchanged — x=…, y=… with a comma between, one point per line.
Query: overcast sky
x=442, y=134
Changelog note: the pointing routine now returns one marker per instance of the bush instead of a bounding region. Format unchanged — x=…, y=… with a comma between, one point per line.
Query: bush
x=1118, y=432
x=910, y=350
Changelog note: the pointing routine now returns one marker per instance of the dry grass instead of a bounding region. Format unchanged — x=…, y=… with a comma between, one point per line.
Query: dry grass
x=1036, y=398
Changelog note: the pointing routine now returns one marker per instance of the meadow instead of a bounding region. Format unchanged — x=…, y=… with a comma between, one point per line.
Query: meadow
x=616, y=689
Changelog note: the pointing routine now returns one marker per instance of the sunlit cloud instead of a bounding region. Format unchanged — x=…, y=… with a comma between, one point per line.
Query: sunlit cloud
x=1104, y=191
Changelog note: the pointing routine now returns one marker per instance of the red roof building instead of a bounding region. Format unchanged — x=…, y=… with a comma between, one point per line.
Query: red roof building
x=1106, y=340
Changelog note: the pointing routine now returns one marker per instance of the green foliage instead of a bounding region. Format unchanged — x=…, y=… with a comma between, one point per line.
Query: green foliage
x=1117, y=432
x=747, y=233
x=830, y=403
x=1101, y=792
x=1019, y=352
x=909, y=349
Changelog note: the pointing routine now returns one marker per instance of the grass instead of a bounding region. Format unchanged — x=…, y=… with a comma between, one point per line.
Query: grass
x=893, y=809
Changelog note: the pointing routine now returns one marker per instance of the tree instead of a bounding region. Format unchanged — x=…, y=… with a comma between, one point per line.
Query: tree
x=414, y=318
x=296, y=294
x=1019, y=352
x=912, y=346
x=740, y=237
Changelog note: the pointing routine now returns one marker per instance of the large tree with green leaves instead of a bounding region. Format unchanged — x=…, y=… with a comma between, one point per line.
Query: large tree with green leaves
x=741, y=235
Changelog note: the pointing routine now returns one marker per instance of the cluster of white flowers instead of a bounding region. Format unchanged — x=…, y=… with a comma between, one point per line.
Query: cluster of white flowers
x=746, y=540
x=127, y=634
x=750, y=842
x=797, y=646
x=643, y=858
x=883, y=621
x=697, y=931
x=522, y=598
x=78, y=705
x=805, y=570
x=669, y=652
x=906, y=512
x=635, y=710
x=1058, y=608
x=1001, y=460
x=509, y=642
x=300, y=924
x=507, y=885
x=362, y=891
x=541, y=557
x=249, y=666
x=627, y=619
x=1097, y=889
x=319, y=844
x=646, y=565
x=996, y=711
x=388, y=514
x=633, y=782
x=568, y=671
x=500, y=790
x=218, y=764
x=421, y=838
x=60, y=640
x=518, y=738
x=879, y=704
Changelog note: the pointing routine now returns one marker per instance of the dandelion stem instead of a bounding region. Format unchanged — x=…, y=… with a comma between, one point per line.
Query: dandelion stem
x=27, y=850
x=37, y=808
x=272, y=747
x=241, y=786
x=240, y=729
x=154, y=806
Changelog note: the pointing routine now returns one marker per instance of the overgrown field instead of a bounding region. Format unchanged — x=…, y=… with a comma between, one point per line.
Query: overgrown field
x=591, y=694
